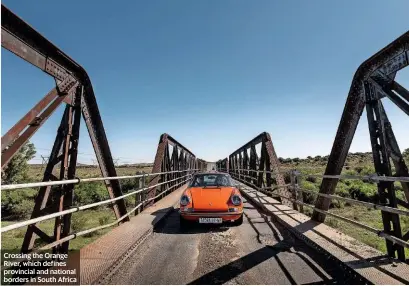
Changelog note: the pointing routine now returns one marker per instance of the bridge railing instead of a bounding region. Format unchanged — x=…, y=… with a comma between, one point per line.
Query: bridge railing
x=183, y=178
x=296, y=196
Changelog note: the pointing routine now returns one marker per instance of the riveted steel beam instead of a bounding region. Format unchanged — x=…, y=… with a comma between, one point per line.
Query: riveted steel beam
x=268, y=161
x=373, y=81
x=179, y=159
x=24, y=41
x=388, y=60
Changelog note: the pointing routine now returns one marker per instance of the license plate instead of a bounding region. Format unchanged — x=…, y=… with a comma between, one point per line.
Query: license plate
x=210, y=220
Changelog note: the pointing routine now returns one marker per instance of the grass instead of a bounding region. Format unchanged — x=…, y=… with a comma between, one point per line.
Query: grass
x=12, y=240
x=356, y=164
x=365, y=216
x=84, y=193
x=36, y=171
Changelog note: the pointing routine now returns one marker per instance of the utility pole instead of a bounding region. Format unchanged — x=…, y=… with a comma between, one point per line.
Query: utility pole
x=44, y=161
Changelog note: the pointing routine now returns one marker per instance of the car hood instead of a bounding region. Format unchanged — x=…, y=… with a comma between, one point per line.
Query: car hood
x=211, y=198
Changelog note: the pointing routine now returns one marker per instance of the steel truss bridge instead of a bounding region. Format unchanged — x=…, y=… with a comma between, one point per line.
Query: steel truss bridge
x=254, y=166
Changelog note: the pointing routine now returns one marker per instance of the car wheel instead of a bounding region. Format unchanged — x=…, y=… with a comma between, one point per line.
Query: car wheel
x=238, y=221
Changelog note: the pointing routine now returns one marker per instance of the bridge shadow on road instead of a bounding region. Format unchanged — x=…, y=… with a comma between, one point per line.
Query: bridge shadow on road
x=327, y=272
x=235, y=268
x=286, y=243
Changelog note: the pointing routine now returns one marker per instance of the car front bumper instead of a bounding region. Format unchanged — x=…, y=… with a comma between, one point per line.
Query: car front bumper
x=225, y=216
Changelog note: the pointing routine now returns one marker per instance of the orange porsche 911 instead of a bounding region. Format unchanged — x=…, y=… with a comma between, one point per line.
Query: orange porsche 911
x=211, y=198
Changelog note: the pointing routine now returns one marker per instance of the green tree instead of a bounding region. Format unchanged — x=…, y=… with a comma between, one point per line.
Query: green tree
x=16, y=169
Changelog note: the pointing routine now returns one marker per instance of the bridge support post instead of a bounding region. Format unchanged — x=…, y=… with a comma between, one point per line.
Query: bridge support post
x=25, y=42
x=373, y=81
x=138, y=196
x=296, y=194
x=64, y=153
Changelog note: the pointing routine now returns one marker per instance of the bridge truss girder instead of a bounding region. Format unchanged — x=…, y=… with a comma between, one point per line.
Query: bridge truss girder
x=179, y=159
x=74, y=88
x=373, y=81
x=245, y=162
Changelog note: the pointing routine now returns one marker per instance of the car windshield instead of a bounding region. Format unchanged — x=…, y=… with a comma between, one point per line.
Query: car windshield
x=205, y=180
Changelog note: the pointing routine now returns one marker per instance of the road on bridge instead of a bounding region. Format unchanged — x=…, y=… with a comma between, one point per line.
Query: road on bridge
x=260, y=251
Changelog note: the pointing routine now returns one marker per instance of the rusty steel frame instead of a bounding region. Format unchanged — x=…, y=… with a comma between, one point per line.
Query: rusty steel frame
x=246, y=163
x=374, y=80
x=22, y=40
x=180, y=158
x=223, y=165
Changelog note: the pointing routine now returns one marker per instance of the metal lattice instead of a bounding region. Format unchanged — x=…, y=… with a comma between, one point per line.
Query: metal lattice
x=171, y=156
x=257, y=170
x=73, y=87
x=373, y=81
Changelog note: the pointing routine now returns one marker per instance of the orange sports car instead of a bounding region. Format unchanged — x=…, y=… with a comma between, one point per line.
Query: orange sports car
x=211, y=198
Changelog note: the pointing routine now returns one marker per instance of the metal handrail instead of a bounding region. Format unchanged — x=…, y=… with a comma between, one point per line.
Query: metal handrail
x=80, y=208
x=352, y=201
x=84, y=232
x=378, y=232
x=84, y=180
x=372, y=178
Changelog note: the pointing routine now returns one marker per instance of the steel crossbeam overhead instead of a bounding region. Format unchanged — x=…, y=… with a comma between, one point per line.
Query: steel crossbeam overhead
x=74, y=88
x=170, y=156
x=245, y=162
x=373, y=81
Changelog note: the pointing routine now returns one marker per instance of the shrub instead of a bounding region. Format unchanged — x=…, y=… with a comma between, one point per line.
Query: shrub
x=337, y=204
x=104, y=219
x=17, y=204
x=350, y=173
x=309, y=186
x=342, y=190
x=358, y=169
x=308, y=198
x=16, y=170
x=129, y=184
x=368, y=170
x=288, y=160
x=78, y=222
x=311, y=179
x=90, y=193
x=130, y=201
x=24, y=208
x=287, y=178
x=363, y=192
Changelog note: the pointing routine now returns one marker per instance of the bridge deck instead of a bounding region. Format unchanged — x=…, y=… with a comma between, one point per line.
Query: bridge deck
x=268, y=248
x=260, y=251
x=357, y=257
x=104, y=255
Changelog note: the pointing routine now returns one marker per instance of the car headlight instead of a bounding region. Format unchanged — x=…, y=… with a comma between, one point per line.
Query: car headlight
x=236, y=200
x=184, y=200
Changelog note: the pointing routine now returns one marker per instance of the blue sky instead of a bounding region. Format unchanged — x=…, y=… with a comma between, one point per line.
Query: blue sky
x=213, y=74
